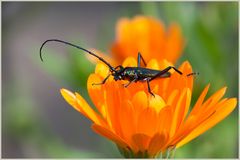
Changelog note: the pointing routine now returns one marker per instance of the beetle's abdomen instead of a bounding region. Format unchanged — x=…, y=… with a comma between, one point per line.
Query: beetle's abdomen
x=139, y=73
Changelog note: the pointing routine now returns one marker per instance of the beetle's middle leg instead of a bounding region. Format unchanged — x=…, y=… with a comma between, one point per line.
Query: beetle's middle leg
x=127, y=84
x=133, y=80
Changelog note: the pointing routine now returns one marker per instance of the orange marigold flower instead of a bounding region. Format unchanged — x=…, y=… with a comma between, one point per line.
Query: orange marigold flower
x=148, y=36
x=142, y=125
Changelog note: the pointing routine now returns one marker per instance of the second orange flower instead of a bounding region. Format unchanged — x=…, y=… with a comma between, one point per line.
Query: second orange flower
x=148, y=36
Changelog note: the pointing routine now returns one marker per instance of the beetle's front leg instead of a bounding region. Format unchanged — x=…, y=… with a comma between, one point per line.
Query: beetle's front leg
x=149, y=89
x=131, y=81
x=105, y=79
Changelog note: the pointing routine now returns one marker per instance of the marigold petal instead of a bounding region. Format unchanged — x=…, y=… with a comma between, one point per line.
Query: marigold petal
x=157, y=142
x=174, y=43
x=113, y=96
x=200, y=100
x=140, y=36
x=140, y=101
x=87, y=110
x=211, y=101
x=153, y=64
x=156, y=102
x=109, y=135
x=92, y=82
x=186, y=105
x=180, y=82
x=194, y=121
x=123, y=38
x=121, y=28
x=179, y=111
x=164, y=120
x=96, y=93
x=102, y=70
x=172, y=98
x=219, y=115
x=141, y=141
x=127, y=120
x=70, y=98
x=214, y=98
x=164, y=64
x=147, y=121
x=129, y=62
x=81, y=105
x=186, y=67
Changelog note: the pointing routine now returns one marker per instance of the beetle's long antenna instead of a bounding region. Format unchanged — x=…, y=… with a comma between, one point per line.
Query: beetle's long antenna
x=78, y=47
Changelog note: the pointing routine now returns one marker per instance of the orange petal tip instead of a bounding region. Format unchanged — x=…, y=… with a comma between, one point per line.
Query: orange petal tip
x=130, y=62
x=102, y=70
x=153, y=64
x=68, y=95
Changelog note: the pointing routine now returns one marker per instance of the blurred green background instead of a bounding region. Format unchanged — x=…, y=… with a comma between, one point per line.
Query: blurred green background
x=38, y=123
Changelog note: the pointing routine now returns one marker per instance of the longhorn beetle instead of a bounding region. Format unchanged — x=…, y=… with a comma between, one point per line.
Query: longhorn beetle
x=132, y=74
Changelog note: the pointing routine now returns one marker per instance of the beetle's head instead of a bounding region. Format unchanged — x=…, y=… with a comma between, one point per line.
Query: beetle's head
x=118, y=73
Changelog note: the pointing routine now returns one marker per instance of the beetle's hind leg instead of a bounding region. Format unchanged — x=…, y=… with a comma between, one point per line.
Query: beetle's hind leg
x=165, y=71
